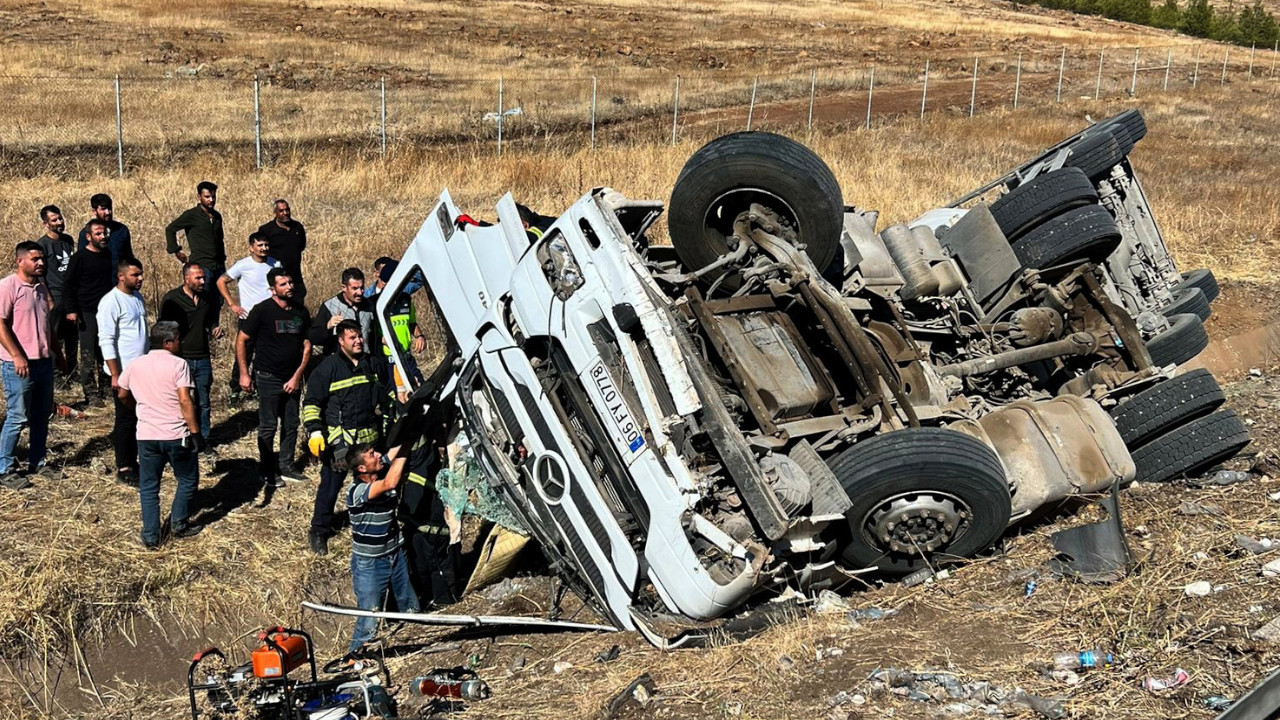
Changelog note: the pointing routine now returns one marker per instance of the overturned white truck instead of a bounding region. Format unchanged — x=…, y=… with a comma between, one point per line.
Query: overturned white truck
x=783, y=396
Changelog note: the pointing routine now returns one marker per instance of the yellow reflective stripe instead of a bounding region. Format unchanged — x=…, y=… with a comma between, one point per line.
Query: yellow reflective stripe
x=433, y=530
x=416, y=478
x=535, y=232
x=359, y=435
x=310, y=412
x=349, y=382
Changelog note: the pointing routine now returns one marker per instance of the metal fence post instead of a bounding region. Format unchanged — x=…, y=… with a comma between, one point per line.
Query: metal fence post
x=383, y=123
x=1226, y=55
x=675, y=111
x=924, y=96
x=1062, y=67
x=594, y=84
x=1252, y=52
x=813, y=86
x=1195, y=74
x=1097, y=83
x=871, y=89
x=1274, y=51
x=119, y=132
x=751, y=109
x=1133, y=84
x=1168, y=64
x=257, y=127
x=1017, y=82
x=499, y=116
x=973, y=90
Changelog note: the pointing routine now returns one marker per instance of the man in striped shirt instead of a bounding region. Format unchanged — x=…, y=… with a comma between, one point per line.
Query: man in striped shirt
x=378, y=563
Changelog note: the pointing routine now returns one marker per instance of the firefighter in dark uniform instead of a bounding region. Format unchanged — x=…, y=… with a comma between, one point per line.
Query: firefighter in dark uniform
x=432, y=559
x=348, y=397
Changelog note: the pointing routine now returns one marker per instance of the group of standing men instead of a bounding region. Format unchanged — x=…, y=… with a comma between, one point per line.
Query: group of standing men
x=78, y=307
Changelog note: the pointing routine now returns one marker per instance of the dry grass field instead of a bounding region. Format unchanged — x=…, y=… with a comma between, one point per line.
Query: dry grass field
x=92, y=626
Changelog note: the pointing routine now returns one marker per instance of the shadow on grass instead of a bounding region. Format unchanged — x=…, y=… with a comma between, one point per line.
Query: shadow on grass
x=240, y=485
x=236, y=426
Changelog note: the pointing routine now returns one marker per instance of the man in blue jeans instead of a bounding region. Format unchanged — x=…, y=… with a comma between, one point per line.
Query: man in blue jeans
x=27, y=357
x=159, y=385
x=378, y=563
x=191, y=306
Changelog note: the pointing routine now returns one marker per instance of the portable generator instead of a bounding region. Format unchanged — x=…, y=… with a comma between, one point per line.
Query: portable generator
x=262, y=687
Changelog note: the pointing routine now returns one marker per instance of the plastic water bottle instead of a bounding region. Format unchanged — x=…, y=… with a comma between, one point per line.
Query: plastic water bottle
x=1081, y=660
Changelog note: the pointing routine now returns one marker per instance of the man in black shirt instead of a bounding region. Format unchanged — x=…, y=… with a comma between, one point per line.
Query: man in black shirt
x=191, y=306
x=119, y=240
x=279, y=328
x=90, y=276
x=58, y=248
x=202, y=226
x=288, y=241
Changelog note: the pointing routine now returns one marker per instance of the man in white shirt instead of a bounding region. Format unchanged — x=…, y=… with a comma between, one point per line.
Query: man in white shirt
x=122, y=335
x=250, y=276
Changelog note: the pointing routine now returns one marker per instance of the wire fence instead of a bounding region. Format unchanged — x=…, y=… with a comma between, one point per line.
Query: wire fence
x=117, y=123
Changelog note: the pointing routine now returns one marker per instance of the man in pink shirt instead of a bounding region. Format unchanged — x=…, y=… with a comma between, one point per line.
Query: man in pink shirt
x=159, y=385
x=27, y=357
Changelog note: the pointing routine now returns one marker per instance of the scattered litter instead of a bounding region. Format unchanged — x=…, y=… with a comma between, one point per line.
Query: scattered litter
x=1082, y=660
x=926, y=575
x=1179, y=678
x=786, y=663
x=493, y=116
x=608, y=655
x=516, y=665
x=1274, y=497
x=1269, y=633
x=1195, y=508
x=507, y=588
x=1217, y=703
x=1199, y=588
x=1255, y=546
x=1043, y=707
x=66, y=411
x=1029, y=589
x=829, y=602
x=1223, y=477
x=1066, y=677
x=1271, y=569
x=1255, y=372
x=824, y=653
x=870, y=614
x=561, y=666
x=840, y=698
x=640, y=691
x=1199, y=556
x=956, y=709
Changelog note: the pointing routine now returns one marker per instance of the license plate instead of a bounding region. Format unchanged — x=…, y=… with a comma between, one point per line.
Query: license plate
x=626, y=431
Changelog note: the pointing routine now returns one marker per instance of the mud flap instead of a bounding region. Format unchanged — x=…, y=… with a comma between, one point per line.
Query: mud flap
x=1096, y=553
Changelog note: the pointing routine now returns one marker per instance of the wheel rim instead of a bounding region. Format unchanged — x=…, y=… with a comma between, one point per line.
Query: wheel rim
x=717, y=223
x=917, y=523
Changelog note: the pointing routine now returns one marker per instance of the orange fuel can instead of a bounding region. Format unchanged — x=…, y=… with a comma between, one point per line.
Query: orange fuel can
x=279, y=655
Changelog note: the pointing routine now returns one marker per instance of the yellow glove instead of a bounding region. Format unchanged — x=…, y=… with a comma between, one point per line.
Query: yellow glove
x=316, y=443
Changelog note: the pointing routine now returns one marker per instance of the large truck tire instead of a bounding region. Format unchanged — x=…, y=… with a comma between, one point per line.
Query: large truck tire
x=1184, y=340
x=901, y=482
x=1040, y=199
x=725, y=176
x=1194, y=446
x=1166, y=405
x=1086, y=233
